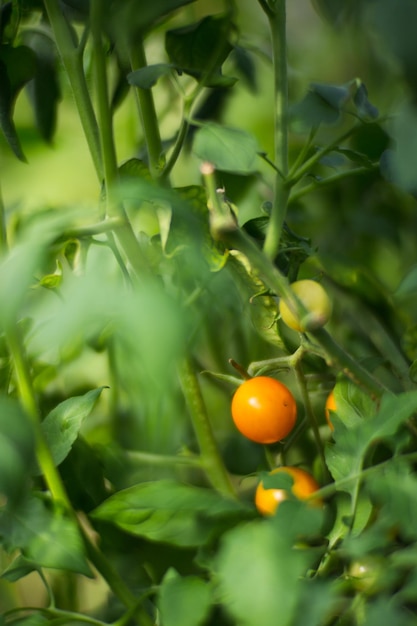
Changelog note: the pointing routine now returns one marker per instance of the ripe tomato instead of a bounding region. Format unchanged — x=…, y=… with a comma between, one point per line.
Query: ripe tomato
x=316, y=302
x=268, y=500
x=264, y=409
x=330, y=406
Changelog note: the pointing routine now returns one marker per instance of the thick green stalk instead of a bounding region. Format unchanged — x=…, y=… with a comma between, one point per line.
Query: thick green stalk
x=72, y=61
x=147, y=111
x=277, y=23
x=211, y=459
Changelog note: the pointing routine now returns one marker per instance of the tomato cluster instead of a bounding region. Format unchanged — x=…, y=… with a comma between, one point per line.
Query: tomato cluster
x=265, y=411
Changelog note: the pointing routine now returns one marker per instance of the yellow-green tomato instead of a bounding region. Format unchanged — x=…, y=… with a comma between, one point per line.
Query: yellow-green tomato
x=315, y=301
x=367, y=574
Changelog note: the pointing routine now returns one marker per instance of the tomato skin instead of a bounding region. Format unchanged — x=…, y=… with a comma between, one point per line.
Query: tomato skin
x=316, y=302
x=330, y=406
x=268, y=500
x=264, y=409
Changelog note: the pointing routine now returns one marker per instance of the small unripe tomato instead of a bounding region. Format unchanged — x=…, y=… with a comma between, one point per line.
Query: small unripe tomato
x=316, y=302
x=268, y=500
x=330, y=406
x=367, y=574
x=264, y=409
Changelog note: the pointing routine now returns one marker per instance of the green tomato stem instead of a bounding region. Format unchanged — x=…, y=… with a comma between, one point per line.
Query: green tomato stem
x=124, y=232
x=310, y=414
x=211, y=458
x=72, y=61
x=307, y=165
x=277, y=24
x=330, y=180
x=147, y=110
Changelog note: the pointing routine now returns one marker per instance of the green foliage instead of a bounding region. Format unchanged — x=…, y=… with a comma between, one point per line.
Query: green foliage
x=171, y=512
x=228, y=149
x=222, y=178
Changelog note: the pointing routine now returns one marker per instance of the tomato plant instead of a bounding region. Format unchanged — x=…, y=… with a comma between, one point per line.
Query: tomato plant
x=264, y=409
x=183, y=184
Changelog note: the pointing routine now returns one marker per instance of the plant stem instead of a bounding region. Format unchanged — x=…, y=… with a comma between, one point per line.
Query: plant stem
x=72, y=61
x=29, y=403
x=307, y=165
x=211, y=459
x=105, y=121
x=277, y=23
x=330, y=180
x=124, y=232
x=161, y=460
x=147, y=110
x=310, y=413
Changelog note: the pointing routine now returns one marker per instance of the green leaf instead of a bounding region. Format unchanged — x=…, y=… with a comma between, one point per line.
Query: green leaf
x=321, y=105
x=229, y=149
x=394, y=490
x=345, y=457
x=342, y=524
x=17, y=444
x=366, y=110
x=200, y=49
x=355, y=157
x=183, y=600
x=17, y=67
x=45, y=536
x=19, y=568
x=171, y=512
x=44, y=90
x=130, y=18
x=258, y=573
x=147, y=77
x=62, y=425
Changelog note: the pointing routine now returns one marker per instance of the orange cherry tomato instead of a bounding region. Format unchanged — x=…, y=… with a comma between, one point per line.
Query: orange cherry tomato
x=268, y=500
x=330, y=406
x=264, y=409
